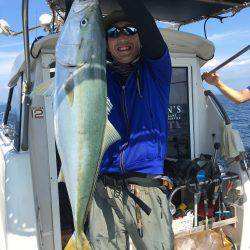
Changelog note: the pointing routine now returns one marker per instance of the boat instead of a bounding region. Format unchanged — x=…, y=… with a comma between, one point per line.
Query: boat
x=31, y=198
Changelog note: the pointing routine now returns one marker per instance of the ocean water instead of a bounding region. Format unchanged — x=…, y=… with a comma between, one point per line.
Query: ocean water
x=240, y=118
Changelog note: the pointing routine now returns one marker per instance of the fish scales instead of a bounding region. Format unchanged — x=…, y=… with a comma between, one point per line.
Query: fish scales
x=82, y=130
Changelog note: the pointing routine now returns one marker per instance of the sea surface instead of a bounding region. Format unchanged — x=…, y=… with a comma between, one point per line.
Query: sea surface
x=240, y=118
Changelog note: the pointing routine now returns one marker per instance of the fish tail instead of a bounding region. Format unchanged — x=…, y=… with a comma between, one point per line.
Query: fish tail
x=78, y=242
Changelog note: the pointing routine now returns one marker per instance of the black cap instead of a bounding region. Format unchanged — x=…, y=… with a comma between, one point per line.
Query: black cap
x=114, y=17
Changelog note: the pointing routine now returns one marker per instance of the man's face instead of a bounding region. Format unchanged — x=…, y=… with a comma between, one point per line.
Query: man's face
x=124, y=49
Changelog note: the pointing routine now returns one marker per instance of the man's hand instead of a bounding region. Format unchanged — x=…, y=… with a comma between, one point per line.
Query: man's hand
x=235, y=95
x=211, y=78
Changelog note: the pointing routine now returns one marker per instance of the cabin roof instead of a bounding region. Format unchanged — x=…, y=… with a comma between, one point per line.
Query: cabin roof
x=177, y=41
x=180, y=11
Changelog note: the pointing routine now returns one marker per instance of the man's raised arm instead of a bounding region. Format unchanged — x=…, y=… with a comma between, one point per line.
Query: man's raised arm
x=153, y=45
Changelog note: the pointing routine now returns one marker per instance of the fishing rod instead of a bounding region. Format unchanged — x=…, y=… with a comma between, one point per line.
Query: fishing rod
x=245, y=49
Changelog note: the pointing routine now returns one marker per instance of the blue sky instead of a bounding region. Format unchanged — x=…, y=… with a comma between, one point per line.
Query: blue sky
x=229, y=38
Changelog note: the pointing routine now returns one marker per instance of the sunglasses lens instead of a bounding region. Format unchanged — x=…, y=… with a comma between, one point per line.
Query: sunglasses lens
x=114, y=32
x=130, y=30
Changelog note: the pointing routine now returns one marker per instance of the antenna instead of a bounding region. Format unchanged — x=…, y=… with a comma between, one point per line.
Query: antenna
x=5, y=28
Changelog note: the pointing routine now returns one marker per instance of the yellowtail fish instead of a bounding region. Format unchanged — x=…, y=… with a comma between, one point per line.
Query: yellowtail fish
x=82, y=129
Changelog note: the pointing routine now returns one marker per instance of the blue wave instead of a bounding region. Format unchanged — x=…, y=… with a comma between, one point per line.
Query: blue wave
x=240, y=118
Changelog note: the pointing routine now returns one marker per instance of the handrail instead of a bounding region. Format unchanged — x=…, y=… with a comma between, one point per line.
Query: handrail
x=28, y=84
x=26, y=39
x=220, y=108
x=8, y=107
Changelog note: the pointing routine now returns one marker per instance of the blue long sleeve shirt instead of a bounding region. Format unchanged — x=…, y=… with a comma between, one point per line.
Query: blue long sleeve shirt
x=140, y=115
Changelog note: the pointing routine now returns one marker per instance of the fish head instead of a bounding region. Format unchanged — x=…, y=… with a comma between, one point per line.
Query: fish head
x=82, y=35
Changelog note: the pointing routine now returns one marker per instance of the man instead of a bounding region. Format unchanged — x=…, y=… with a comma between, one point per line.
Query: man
x=129, y=201
x=234, y=95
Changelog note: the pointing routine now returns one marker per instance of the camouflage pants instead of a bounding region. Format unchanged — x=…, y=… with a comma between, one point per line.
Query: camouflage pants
x=107, y=230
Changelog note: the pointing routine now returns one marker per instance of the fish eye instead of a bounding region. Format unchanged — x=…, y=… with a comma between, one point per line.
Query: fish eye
x=84, y=22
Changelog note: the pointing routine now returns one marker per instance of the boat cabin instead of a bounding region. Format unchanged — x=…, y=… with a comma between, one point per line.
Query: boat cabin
x=31, y=198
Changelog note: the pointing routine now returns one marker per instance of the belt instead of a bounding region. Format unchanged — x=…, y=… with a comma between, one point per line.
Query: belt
x=115, y=181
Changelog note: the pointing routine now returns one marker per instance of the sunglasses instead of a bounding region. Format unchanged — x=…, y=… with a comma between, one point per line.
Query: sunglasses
x=115, y=32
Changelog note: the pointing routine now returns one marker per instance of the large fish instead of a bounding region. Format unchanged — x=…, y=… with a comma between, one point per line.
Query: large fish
x=81, y=108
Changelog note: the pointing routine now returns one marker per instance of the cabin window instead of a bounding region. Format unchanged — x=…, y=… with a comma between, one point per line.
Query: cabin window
x=178, y=115
x=12, y=116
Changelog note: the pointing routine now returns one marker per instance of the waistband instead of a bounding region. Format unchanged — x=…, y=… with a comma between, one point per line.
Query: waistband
x=139, y=179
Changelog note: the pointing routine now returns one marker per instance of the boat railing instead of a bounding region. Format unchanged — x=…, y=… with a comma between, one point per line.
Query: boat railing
x=28, y=83
x=219, y=106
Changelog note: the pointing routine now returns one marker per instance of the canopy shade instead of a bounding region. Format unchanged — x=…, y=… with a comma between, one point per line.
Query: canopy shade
x=180, y=11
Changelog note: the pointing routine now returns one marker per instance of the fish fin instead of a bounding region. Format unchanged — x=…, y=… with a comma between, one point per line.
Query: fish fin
x=72, y=244
x=71, y=97
x=109, y=106
x=60, y=176
x=43, y=87
x=110, y=137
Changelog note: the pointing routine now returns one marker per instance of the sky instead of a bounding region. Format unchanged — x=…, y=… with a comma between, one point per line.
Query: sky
x=229, y=37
